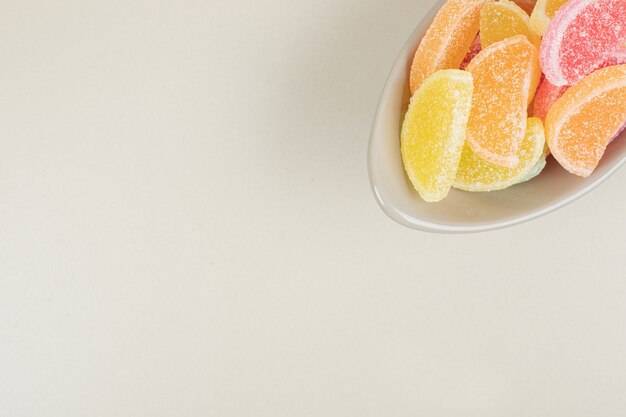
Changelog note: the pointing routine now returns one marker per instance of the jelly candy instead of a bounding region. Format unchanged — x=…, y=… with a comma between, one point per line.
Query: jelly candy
x=505, y=19
x=542, y=13
x=447, y=41
x=538, y=168
x=580, y=37
x=470, y=129
x=503, y=74
x=476, y=174
x=502, y=20
x=433, y=132
x=583, y=121
x=549, y=93
x=545, y=98
x=474, y=50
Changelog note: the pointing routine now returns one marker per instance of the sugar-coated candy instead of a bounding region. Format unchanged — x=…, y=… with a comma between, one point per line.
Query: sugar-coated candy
x=583, y=121
x=474, y=50
x=433, y=132
x=470, y=129
x=476, y=174
x=542, y=13
x=538, y=168
x=504, y=19
x=580, y=37
x=549, y=93
x=447, y=41
x=503, y=74
x=545, y=98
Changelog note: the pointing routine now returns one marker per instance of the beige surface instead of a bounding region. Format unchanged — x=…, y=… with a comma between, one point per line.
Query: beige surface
x=187, y=230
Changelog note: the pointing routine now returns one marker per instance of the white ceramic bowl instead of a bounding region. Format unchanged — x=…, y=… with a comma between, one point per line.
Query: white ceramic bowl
x=462, y=212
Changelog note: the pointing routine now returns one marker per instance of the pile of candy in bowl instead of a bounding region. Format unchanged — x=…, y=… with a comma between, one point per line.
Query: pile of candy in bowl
x=499, y=86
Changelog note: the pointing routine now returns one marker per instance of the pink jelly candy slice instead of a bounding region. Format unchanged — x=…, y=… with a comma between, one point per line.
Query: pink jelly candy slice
x=580, y=37
x=546, y=96
x=474, y=50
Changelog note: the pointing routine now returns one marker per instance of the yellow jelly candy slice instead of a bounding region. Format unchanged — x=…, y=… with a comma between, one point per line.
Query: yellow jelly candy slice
x=433, y=132
x=476, y=174
x=538, y=168
x=502, y=20
x=543, y=12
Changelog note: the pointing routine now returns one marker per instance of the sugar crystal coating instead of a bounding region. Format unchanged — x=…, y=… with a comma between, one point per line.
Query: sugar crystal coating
x=447, y=40
x=538, y=168
x=504, y=19
x=619, y=132
x=583, y=121
x=433, y=132
x=580, y=37
x=617, y=58
x=503, y=75
x=549, y=93
x=476, y=174
x=545, y=98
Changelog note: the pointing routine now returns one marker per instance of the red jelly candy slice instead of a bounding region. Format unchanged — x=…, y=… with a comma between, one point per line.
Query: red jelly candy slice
x=580, y=38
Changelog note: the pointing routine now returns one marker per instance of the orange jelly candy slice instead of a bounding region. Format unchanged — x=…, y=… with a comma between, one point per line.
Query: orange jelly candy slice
x=583, y=121
x=502, y=20
x=447, y=41
x=503, y=76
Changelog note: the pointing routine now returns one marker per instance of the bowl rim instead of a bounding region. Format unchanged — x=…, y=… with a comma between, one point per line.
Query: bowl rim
x=408, y=220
